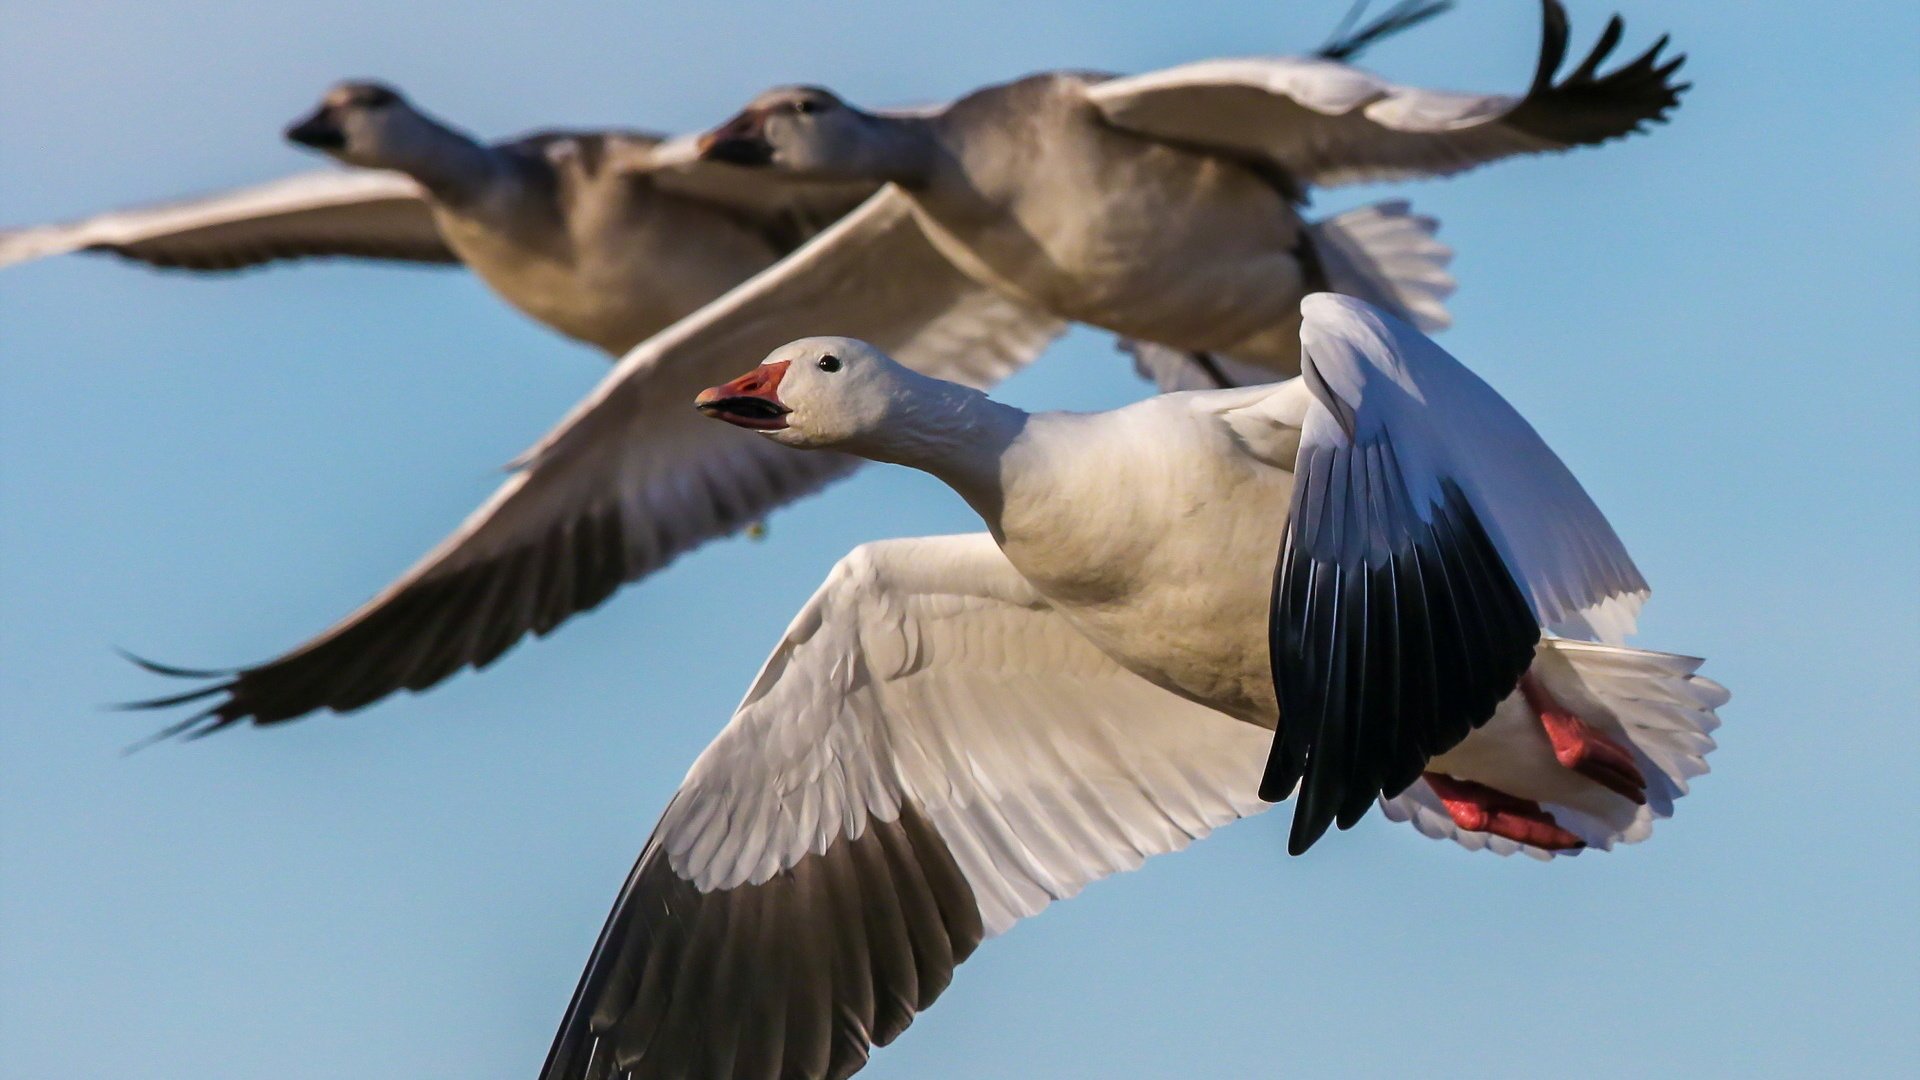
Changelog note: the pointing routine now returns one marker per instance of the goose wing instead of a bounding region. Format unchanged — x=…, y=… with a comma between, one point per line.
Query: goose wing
x=369, y=214
x=1432, y=535
x=1321, y=121
x=930, y=754
x=634, y=477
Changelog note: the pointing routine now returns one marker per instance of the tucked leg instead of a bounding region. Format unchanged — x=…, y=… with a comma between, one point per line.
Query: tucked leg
x=1579, y=747
x=1479, y=808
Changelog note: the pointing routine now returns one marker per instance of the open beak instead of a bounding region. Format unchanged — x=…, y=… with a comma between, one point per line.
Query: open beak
x=318, y=131
x=740, y=141
x=751, y=401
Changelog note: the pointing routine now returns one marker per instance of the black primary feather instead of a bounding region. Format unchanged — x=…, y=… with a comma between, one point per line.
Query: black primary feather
x=1391, y=637
x=1346, y=43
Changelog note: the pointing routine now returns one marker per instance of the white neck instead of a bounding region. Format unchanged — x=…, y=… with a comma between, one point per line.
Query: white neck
x=451, y=164
x=906, y=149
x=957, y=434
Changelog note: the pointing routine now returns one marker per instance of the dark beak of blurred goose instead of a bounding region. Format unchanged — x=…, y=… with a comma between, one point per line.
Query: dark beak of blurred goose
x=740, y=141
x=751, y=401
x=317, y=130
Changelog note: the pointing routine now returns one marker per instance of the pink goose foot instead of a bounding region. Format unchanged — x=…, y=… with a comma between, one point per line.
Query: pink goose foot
x=1579, y=747
x=1479, y=808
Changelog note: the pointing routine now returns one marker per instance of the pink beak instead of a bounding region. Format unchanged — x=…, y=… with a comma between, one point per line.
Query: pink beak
x=751, y=401
x=740, y=141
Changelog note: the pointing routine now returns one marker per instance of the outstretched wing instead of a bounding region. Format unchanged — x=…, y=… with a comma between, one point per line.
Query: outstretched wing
x=930, y=755
x=1432, y=534
x=1323, y=122
x=361, y=213
x=634, y=477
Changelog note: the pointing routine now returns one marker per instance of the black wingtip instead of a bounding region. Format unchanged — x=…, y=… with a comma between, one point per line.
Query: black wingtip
x=1587, y=107
x=1305, y=833
x=159, y=668
x=197, y=726
x=1387, y=653
x=220, y=714
x=1347, y=43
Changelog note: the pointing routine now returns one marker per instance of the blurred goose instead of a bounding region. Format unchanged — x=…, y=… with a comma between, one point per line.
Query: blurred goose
x=631, y=479
x=956, y=731
x=604, y=236
x=1058, y=197
x=1163, y=206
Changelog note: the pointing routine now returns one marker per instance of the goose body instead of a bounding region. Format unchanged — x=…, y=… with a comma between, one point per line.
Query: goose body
x=957, y=731
x=575, y=231
x=603, y=236
x=1033, y=193
x=1164, y=206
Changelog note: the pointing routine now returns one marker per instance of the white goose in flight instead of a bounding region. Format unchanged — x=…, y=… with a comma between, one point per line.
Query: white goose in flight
x=956, y=731
x=1058, y=197
x=604, y=236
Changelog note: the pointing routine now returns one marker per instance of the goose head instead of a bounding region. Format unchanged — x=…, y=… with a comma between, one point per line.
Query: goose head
x=370, y=125
x=811, y=132
x=817, y=394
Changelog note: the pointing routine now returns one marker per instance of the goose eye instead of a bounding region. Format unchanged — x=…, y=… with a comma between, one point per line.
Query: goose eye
x=829, y=363
x=806, y=107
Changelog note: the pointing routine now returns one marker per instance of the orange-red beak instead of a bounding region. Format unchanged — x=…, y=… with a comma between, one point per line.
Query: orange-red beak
x=740, y=141
x=751, y=401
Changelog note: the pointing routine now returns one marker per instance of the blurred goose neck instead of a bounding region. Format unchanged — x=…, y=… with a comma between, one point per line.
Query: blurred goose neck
x=451, y=164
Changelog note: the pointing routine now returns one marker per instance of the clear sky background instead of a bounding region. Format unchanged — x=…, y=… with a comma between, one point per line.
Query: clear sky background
x=1716, y=326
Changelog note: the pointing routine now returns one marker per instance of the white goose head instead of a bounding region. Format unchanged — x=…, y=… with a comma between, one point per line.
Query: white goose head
x=811, y=132
x=370, y=125
x=824, y=393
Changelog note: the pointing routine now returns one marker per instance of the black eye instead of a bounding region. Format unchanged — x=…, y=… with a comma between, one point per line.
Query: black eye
x=806, y=107
x=829, y=363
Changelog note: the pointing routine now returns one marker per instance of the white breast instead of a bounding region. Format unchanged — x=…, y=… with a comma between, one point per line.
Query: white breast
x=1164, y=559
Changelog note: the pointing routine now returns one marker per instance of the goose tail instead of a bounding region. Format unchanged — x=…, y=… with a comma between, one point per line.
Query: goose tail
x=1653, y=705
x=1388, y=256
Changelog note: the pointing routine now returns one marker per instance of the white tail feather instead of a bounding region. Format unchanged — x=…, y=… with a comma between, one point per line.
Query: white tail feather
x=1386, y=255
x=1651, y=702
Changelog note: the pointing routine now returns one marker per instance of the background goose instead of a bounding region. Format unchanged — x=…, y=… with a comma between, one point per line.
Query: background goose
x=630, y=480
x=604, y=236
x=1430, y=535
x=1006, y=214
x=1163, y=206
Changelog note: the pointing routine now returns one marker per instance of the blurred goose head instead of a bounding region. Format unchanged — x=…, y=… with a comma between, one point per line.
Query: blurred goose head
x=809, y=131
x=369, y=124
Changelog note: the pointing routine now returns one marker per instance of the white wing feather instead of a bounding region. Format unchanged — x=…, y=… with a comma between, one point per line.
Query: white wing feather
x=350, y=212
x=928, y=670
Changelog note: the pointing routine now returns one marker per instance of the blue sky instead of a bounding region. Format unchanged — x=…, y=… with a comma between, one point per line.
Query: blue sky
x=1715, y=325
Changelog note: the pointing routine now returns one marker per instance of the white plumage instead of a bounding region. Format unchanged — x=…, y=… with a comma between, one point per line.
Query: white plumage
x=956, y=731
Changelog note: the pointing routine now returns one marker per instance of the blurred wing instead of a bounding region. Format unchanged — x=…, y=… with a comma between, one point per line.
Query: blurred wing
x=930, y=755
x=1323, y=122
x=634, y=477
x=1432, y=534
x=363, y=213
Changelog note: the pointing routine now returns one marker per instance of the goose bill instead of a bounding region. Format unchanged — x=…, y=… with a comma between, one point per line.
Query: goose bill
x=740, y=141
x=751, y=401
x=318, y=131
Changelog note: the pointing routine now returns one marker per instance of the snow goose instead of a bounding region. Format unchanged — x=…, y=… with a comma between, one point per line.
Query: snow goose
x=1425, y=534
x=956, y=731
x=1164, y=206
x=630, y=479
x=1016, y=209
x=604, y=236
